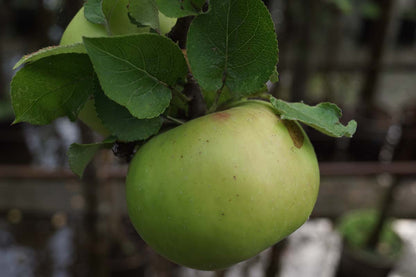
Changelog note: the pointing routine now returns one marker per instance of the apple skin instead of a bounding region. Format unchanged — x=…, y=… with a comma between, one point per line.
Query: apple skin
x=79, y=27
x=88, y=115
x=221, y=188
x=119, y=24
x=166, y=23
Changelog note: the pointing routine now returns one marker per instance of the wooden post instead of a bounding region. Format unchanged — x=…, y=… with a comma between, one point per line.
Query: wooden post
x=4, y=25
x=94, y=244
x=284, y=37
x=302, y=69
x=334, y=38
x=374, y=66
x=273, y=267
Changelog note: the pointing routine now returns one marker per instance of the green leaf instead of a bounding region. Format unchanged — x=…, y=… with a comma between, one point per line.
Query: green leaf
x=213, y=98
x=369, y=9
x=323, y=117
x=93, y=11
x=180, y=8
x=344, y=6
x=113, y=14
x=234, y=45
x=52, y=87
x=50, y=51
x=178, y=107
x=119, y=21
x=120, y=121
x=137, y=71
x=80, y=155
x=144, y=13
x=274, y=78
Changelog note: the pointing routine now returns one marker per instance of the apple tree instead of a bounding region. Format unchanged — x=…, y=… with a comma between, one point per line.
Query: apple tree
x=221, y=169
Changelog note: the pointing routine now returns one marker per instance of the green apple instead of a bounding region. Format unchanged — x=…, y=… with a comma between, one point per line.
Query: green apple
x=88, y=115
x=79, y=27
x=119, y=24
x=166, y=23
x=223, y=187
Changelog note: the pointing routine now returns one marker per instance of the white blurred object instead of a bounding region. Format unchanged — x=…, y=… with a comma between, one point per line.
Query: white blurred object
x=313, y=251
x=406, y=266
x=15, y=260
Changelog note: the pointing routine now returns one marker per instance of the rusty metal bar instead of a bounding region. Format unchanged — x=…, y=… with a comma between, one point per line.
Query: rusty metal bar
x=33, y=172
x=110, y=172
x=351, y=67
x=367, y=168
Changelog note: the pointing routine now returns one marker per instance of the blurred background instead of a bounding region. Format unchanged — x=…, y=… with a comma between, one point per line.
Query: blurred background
x=358, y=54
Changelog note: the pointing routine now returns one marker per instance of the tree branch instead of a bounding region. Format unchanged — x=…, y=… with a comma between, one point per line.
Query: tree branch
x=197, y=106
x=124, y=150
x=179, y=32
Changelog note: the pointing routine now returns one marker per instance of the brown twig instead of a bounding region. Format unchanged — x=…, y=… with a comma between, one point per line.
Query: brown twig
x=179, y=32
x=124, y=150
x=374, y=66
x=95, y=245
x=385, y=210
x=197, y=106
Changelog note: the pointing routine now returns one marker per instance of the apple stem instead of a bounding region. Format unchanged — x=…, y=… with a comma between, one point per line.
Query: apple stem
x=181, y=95
x=107, y=28
x=214, y=105
x=197, y=105
x=179, y=32
x=173, y=119
x=192, y=90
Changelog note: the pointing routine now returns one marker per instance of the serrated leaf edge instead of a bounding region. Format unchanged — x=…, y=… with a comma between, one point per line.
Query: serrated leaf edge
x=101, y=145
x=334, y=108
x=109, y=127
x=89, y=40
x=224, y=72
x=26, y=58
x=86, y=7
x=185, y=13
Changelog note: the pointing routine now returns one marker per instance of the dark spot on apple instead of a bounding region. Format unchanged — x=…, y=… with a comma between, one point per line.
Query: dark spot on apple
x=238, y=195
x=221, y=116
x=235, y=177
x=222, y=213
x=295, y=133
x=181, y=156
x=207, y=140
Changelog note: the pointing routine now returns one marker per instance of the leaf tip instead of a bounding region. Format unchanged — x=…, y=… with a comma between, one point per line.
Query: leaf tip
x=72, y=161
x=15, y=121
x=352, y=126
x=79, y=174
x=17, y=65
